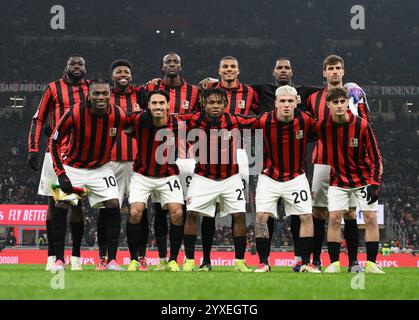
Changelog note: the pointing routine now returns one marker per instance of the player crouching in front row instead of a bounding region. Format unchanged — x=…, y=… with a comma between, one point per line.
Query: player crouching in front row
x=356, y=168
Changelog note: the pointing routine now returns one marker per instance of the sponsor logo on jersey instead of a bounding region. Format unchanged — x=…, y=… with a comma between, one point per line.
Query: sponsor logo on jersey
x=112, y=132
x=56, y=135
x=185, y=104
x=300, y=134
x=353, y=143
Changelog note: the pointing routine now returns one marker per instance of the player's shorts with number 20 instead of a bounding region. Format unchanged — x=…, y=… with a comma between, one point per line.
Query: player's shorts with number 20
x=296, y=195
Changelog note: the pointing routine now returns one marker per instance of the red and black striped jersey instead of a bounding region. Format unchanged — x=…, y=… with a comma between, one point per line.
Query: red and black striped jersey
x=285, y=144
x=241, y=99
x=92, y=137
x=58, y=98
x=216, y=142
x=125, y=148
x=183, y=98
x=318, y=108
x=352, y=152
x=158, y=147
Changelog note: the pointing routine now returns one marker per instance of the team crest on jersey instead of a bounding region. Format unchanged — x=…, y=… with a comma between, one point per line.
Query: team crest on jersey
x=227, y=135
x=136, y=107
x=242, y=104
x=112, y=132
x=185, y=104
x=300, y=134
x=353, y=143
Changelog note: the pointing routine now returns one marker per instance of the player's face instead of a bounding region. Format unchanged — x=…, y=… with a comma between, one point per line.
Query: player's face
x=121, y=76
x=338, y=106
x=229, y=70
x=282, y=72
x=99, y=96
x=334, y=73
x=171, y=65
x=76, y=68
x=286, y=105
x=158, y=106
x=214, y=106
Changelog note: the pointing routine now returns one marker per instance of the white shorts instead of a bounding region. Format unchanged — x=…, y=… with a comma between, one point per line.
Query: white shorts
x=123, y=172
x=48, y=176
x=296, y=195
x=321, y=181
x=100, y=181
x=203, y=194
x=243, y=162
x=168, y=189
x=339, y=199
x=186, y=169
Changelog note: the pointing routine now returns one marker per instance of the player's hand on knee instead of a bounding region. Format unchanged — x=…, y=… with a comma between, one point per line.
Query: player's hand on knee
x=372, y=193
x=33, y=160
x=65, y=183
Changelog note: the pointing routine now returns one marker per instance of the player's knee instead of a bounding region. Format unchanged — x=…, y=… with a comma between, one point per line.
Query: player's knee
x=135, y=214
x=334, y=221
x=240, y=219
x=62, y=205
x=176, y=216
x=350, y=215
x=112, y=203
x=370, y=221
x=76, y=214
x=191, y=216
x=306, y=219
x=319, y=213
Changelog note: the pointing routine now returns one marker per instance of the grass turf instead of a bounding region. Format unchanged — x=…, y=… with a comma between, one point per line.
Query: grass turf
x=32, y=282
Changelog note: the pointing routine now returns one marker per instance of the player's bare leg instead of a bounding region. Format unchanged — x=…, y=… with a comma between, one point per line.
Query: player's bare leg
x=134, y=233
x=175, y=233
x=319, y=219
x=351, y=235
x=334, y=240
x=372, y=237
x=189, y=239
x=239, y=238
x=262, y=241
x=77, y=230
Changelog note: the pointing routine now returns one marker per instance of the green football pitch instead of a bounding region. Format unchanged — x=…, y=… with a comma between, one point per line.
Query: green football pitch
x=223, y=283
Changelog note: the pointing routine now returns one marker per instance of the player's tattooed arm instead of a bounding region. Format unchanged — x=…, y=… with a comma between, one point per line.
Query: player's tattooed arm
x=261, y=228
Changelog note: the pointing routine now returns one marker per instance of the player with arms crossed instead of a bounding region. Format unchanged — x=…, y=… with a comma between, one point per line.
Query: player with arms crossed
x=157, y=136
x=58, y=98
x=356, y=168
x=94, y=129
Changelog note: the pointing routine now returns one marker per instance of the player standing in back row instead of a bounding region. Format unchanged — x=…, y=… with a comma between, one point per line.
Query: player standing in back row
x=333, y=71
x=58, y=98
x=183, y=97
x=128, y=97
